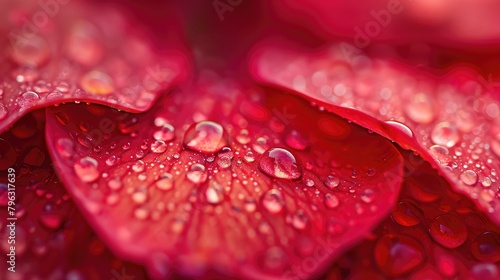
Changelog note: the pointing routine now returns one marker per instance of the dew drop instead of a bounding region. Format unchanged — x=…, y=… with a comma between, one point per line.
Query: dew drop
x=214, y=193
x=197, y=174
x=280, y=163
x=368, y=196
x=166, y=182
x=273, y=201
x=166, y=133
x=486, y=247
x=448, y=230
x=50, y=218
x=30, y=52
x=65, y=147
x=405, y=214
x=299, y=220
x=396, y=255
x=86, y=169
x=331, y=201
x=206, y=137
x=138, y=166
x=445, y=134
x=158, y=147
x=469, y=177
x=402, y=127
x=249, y=205
x=97, y=82
x=115, y=184
x=249, y=157
x=111, y=160
x=27, y=99
x=332, y=181
x=243, y=137
x=140, y=196
x=420, y=109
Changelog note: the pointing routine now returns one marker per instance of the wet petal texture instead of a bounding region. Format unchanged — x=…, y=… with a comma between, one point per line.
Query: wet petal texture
x=452, y=122
x=432, y=233
x=50, y=237
x=457, y=23
x=207, y=182
x=66, y=51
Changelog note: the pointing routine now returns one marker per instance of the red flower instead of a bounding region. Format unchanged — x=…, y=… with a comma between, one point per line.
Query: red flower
x=268, y=158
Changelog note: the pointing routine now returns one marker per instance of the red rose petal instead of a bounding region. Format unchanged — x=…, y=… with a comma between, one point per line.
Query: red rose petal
x=51, y=238
x=89, y=54
x=205, y=182
x=415, y=244
x=446, y=22
x=451, y=122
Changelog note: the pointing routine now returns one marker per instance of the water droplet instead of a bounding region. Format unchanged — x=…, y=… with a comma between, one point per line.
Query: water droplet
x=448, y=230
x=469, y=177
x=485, y=271
x=368, y=196
x=86, y=169
x=28, y=99
x=332, y=181
x=396, y=255
x=250, y=205
x=158, y=147
x=243, y=137
x=140, y=196
x=486, y=247
x=405, y=214
x=138, y=166
x=309, y=183
x=166, y=182
x=65, y=147
x=197, y=174
x=260, y=145
x=96, y=82
x=299, y=220
x=111, y=160
x=370, y=172
x=165, y=133
x=224, y=161
x=249, y=157
x=273, y=201
x=115, y=184
x=280, y=163
x=331, y=201
x=274, y=259
x=445, y=134
x=296, y=141
x=33, y=51
x=214, y=193
x=420, y=109
x=402, y=127
x=206, y=137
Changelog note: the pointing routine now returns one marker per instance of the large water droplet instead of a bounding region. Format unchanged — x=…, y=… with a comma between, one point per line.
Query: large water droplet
x=445, y=134
x=280, y=163
x=96, y=82
x=33, y=51
x=86, y=169
x=402, y=127
x=197, y=174
x=396, y=255
x=486, y=247
x=273, y=201
x=206, y=137
x=448, y=230
x=469, y=177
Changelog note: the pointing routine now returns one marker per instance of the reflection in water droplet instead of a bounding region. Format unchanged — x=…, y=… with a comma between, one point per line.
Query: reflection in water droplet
x=158, y=147
x=402, y=127
x=96, y=82
x=445, y=134
x=197, y=174
x=280, y=163
x=86, y=169
x=249, y=157
x=469, y=177
x=138, y=166
x=486, y=247
x=332, y=181
x=273, y=201
x=448, y=230
x=206, y=137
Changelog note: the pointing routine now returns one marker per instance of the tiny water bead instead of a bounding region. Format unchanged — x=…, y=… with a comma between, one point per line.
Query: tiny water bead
x=273, y=201
x=86, y=169
x=397, y=255
x=206, y=137
x=445, y=134
x=449, y=231
x=280, y=163
x=97, y=82
x=469, y=177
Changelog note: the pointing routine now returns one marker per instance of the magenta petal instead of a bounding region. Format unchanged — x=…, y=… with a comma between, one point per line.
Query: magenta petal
x=452, y=122
x=245, y=182
x=88, y=54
